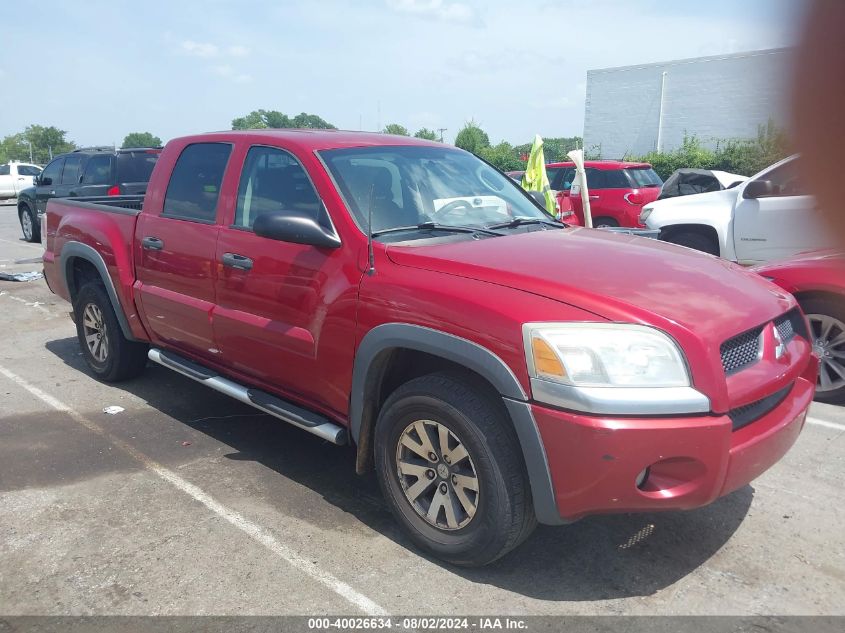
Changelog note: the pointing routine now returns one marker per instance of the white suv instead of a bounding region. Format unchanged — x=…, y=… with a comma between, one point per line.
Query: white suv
x=16, y=176
x=770, y=216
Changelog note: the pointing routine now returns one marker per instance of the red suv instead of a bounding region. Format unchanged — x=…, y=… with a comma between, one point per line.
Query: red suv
x=618, y=190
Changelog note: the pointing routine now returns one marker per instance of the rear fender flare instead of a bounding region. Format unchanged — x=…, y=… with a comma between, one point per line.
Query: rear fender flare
x=78, y=250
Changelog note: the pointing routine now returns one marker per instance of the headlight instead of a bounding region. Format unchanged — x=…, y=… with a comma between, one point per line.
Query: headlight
x=604, y=355
x=609, y=368
x=644, y=214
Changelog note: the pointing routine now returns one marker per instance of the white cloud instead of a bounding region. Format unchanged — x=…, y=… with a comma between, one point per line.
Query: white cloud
x=200, y=49
x=237, y=51
x=438, y=9
x=228, y=72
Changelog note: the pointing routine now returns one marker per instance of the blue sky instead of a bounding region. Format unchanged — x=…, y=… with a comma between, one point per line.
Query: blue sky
x=102, y=68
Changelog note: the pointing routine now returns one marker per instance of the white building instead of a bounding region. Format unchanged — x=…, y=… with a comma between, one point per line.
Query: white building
x=633, y=110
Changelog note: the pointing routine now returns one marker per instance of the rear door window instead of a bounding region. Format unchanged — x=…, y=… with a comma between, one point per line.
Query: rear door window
x=135, y=166
x=643, y=177
x=615, y=179
x=53, y=171
x=596, y=179
x=194, y=186
x=28, y=170
x=70, y=175
x=4, y=170
x=98, y=170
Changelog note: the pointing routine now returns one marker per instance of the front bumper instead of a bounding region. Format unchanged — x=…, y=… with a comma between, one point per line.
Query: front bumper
x=596, y=462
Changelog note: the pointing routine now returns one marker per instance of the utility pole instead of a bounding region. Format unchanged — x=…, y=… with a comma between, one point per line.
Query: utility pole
x=660, y=115
x=441, y=130
x=378, y=120
x=30, y=151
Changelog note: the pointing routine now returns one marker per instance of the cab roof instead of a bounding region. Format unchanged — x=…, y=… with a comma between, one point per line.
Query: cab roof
x=314, y=140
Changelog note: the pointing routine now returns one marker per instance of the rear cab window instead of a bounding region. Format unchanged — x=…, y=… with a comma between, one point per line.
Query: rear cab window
x=194, y=186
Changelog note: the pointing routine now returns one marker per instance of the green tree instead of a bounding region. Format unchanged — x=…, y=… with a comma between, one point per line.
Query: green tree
x=259, y=119
x=554, y=148
x=472, y=138
x=141, y=139
x=503, y=156
x=46, y=141
x=395, y=128
x=425, y=133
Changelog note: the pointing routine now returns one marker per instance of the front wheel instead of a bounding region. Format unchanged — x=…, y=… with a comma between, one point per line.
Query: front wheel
x=110, y=355
x=449, y=465
x=29, y=224
x=827, y=333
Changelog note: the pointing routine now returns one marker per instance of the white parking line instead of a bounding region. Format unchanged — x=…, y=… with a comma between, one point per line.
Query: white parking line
x=826, y=424
x=253, y=530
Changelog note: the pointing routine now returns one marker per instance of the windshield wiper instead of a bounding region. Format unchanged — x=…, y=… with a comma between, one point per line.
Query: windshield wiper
x=512, y=224
x=427, y=226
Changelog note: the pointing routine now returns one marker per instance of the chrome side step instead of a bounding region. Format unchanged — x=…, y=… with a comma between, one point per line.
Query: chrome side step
x=270, y=404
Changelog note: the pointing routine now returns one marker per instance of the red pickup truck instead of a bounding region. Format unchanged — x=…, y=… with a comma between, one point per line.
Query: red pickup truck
x=403, y=297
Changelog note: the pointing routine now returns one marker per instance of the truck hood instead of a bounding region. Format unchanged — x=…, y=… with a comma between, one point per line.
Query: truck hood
x=723, y=200
x=615, y=276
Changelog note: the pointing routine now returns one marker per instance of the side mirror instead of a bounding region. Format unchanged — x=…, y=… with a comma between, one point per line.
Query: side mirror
x=291, y=226
x=44, y=181
x=759, y=189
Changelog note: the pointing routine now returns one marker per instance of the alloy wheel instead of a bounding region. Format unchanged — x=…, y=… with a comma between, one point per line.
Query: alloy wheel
x=828, y=336
x=26, y=225
x=437, y=475
x=94, y=329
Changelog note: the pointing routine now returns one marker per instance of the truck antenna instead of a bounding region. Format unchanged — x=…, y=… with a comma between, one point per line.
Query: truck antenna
x=371, y=260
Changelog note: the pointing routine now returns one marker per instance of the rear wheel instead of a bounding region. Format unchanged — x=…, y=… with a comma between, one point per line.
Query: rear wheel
x=29, y=224
x=110, y=355
x=449, y=466
x=696, y=241
x=827, y=334
x=604, y=222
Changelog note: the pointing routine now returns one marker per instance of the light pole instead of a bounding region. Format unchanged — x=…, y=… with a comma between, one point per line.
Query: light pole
x=441, y=130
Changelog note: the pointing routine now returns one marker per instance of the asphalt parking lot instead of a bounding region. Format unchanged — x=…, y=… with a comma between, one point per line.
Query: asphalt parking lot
x=187, y=502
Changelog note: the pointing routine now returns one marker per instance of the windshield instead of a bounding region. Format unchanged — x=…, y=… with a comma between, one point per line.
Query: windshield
x=643, y=177
x=411, y=185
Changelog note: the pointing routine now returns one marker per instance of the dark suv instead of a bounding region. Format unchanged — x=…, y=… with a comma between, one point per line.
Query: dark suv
x=92, y=171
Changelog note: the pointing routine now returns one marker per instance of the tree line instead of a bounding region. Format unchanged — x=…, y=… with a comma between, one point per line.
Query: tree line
x=39, y=143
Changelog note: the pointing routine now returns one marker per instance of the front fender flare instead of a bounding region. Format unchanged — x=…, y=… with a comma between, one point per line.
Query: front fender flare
x=475, y=358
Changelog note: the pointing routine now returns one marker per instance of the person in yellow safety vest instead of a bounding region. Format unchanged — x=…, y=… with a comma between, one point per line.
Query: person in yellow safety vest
x=535, y=177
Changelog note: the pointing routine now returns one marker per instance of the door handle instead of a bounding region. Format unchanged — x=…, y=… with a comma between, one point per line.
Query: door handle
x=233, y=260
x=152, y=244
x=53, y=193
x=594, y=197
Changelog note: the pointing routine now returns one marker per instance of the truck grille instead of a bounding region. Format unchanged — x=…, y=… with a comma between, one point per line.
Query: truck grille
x=746, y=414
x=740, y=351
x=791, y=324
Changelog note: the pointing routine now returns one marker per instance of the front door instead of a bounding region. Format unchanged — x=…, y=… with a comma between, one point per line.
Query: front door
x=780, y=224
x=49, y=184
x=175, y=249
x=273, y=297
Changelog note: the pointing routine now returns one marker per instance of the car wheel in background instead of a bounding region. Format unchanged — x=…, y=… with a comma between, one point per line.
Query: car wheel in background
x=109, y=354
x=450, y=468
x=827, y=334
x=604, y=222
x=29, y=224
x=696, y=241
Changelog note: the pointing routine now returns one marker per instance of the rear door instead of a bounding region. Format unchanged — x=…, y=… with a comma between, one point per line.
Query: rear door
x=273, y=296
x=781, y=224
x=97, y=175
x=175, y=249
x=134, y=170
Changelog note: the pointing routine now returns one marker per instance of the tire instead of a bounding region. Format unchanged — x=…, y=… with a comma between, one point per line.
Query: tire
x=829, y=345
x=111, y=356
x=600, y=222
x=503, y=514
x=696, y=241
x=29, y=224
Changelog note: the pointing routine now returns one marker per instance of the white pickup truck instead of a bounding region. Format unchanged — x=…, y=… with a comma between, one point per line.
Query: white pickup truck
x=770, y=216
x=16, y=176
